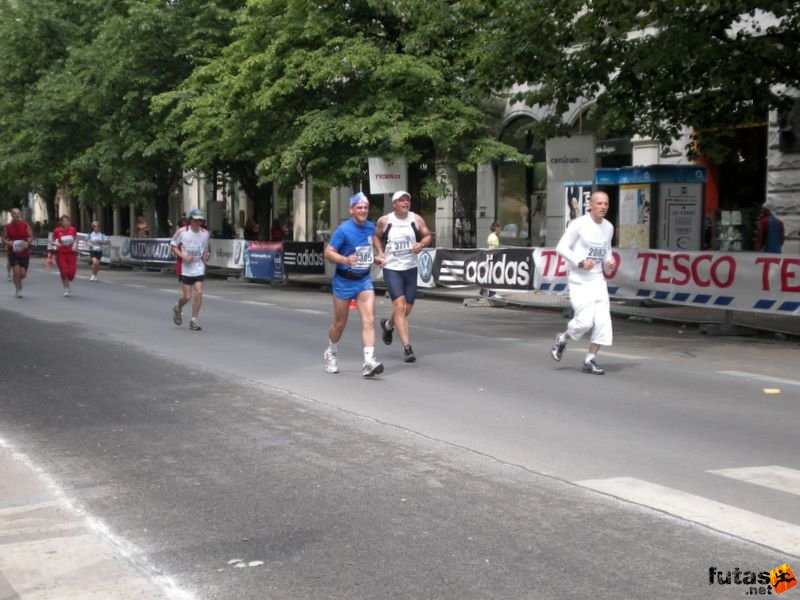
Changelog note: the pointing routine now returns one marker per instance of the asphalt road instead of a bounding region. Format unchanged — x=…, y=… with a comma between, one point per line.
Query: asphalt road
x=469, y=474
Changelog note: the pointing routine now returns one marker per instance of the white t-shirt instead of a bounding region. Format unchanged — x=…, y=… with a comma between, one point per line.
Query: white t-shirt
x=96, y=240
x=401, y=239
x=195, y=245
x=585, y=239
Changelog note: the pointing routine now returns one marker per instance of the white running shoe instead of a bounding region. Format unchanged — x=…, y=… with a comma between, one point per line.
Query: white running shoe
x=331, y=366
x=371, y=368
x=66, y=293
x=18, y=294
x=93, y=278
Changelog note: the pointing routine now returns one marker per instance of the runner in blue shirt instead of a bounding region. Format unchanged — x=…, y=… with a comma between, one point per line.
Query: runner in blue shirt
x=350, y=249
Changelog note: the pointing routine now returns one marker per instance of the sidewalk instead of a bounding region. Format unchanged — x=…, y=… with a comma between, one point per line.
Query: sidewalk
x=50, y=551
x=711, y=321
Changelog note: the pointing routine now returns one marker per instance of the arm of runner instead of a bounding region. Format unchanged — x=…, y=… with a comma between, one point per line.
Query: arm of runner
x=565, y=244
x=427, y=236
x=377, y=241
x=332, y=255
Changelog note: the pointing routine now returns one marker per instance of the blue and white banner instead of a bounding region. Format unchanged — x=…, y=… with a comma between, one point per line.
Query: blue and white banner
x=150, y=250
x=263, y=261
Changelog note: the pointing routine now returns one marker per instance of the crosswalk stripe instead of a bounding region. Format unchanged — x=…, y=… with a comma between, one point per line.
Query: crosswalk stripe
x=774, y=477
x=744, y=524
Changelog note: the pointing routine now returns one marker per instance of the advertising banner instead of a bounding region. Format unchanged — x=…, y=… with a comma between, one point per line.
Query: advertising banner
x=425, y=262
x=263, y=261
x=387, y=177
x=681, y=211
x=570, y=162
x=505, y=268
x=634, y=216
x=741, y=281
x=226, y=254
x=304, y=257
x=150, y=250
x=118, y=249
x=576, y=200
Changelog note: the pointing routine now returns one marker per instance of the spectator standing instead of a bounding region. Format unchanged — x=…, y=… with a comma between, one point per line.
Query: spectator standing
x=493, y=239
x=770, y=234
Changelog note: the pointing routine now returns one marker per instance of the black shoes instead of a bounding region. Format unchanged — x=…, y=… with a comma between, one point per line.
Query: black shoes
x=387, y=333
x=408, y=354
x=591, y=367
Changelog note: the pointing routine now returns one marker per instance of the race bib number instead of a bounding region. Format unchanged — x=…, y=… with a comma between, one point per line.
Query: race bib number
x=18, y=245
x=596, y=253
x=364, y=257
x=400, y=247
x=66, y=240
x=196, y=252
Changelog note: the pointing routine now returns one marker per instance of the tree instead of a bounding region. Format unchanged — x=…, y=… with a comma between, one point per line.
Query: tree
x=650, y=68
x=35, y=41
x=313, y=89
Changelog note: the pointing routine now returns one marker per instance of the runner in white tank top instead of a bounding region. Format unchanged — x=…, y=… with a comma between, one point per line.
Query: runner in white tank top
x=399, y=238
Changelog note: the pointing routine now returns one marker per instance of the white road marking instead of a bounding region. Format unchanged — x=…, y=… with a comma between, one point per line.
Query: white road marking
x=87, y=549
x=310, y=311
x=774, y=477
x=257, y=303
x=214, y=297
x=725, y=518
x=134, y=285
x=760, y=377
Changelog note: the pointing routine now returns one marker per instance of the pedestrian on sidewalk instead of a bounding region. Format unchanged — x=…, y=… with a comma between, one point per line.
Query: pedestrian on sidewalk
x=351, y=250
x=190, y=246
x=770, y=233
x=17, y=238
x=586, y=246
x=399, y=238
x=97, y=239
x=65, y=239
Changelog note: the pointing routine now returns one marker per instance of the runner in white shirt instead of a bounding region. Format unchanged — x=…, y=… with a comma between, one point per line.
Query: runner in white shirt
x=399, y=238
x=97, y=239
x=190, y=245
x=586, y=246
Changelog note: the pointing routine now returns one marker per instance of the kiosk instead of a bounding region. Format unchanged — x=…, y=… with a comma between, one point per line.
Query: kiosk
x=660, y=206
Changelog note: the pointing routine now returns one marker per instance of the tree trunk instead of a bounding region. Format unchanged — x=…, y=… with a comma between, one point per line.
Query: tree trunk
x=259, y=193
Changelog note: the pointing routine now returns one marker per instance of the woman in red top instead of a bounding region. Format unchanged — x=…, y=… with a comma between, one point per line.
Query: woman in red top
x=65, y=239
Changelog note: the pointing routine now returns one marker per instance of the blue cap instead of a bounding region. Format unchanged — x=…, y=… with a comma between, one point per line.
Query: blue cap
x=197, y=214
x=358, y=199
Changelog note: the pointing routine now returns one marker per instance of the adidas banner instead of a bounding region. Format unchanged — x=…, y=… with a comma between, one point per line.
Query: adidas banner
x=304, y=257
x=502, y=269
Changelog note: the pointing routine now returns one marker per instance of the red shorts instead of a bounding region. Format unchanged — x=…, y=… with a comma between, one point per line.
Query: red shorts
x=67, y=264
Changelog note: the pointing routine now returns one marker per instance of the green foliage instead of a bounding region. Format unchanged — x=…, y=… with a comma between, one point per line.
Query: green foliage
x=313, y=89
x=650, y=68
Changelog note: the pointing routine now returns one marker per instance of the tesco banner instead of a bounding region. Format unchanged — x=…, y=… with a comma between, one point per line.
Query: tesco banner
x=741, y=281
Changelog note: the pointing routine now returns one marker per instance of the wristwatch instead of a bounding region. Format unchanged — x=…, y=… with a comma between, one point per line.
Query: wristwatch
x=580, y=265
